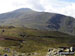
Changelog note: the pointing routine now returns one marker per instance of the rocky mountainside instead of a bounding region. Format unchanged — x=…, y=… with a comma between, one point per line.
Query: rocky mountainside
x=38, y=20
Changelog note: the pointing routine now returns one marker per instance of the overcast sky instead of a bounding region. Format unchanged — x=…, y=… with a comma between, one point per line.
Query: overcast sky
x=66, y=7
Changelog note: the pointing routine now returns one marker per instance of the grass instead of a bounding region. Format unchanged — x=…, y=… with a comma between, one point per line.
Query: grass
x=8, y=43
x=35, y=40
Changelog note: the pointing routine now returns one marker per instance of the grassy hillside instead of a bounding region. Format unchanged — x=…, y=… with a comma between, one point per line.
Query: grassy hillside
x=34, y=40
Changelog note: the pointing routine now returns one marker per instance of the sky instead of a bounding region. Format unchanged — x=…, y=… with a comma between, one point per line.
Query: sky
x=66, y=7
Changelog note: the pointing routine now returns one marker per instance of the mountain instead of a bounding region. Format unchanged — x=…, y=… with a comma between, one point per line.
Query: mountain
x=38, y=20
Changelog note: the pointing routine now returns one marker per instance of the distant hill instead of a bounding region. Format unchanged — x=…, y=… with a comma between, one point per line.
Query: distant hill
x=26, y=17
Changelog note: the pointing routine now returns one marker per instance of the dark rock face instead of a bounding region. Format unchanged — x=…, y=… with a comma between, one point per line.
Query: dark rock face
x=55, y=21
x=69, y=25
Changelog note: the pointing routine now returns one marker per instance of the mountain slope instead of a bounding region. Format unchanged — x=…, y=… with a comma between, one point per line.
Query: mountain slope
x=39, y=20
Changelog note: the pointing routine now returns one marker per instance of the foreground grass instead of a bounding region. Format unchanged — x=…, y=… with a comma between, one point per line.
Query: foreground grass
x=35, y=40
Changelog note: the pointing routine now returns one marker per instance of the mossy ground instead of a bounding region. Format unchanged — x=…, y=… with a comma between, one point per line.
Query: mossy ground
x=34, y=40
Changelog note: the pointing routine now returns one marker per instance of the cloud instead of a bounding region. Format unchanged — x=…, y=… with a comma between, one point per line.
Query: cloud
x=66, y=7
x=33, y=4
x=36, y=4
x=58, y=6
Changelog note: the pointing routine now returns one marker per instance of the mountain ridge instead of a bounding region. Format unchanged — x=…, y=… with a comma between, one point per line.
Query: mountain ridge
x=39, y=20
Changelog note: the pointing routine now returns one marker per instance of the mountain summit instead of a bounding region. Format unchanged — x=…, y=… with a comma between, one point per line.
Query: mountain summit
x=39, y=20
x=23, y=10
